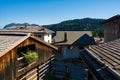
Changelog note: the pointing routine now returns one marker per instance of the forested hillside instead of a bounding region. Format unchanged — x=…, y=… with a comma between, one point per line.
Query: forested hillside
x=94, y=25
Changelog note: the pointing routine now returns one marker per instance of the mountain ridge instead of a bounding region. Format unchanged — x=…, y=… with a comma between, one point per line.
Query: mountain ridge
x=86, y=24
x=19, y=24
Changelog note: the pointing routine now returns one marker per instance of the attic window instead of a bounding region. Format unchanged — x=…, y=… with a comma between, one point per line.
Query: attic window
x=24, y=49
x=20, y=55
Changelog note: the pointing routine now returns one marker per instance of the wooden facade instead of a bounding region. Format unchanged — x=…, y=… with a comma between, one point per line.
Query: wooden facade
x=11, y=65
x=112, y=28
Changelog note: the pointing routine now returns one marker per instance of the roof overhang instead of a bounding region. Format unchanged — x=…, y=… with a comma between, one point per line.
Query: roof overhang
x=23, y=39
x=112, y=19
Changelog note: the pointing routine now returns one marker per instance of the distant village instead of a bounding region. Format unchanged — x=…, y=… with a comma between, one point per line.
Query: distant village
x=32, y=53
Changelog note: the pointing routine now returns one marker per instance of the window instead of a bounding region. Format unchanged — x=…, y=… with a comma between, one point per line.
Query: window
x=48, y=35
x=39, y=36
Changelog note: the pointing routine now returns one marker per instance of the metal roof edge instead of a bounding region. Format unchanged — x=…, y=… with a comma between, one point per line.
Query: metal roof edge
x=101, y=62
x=116, y=74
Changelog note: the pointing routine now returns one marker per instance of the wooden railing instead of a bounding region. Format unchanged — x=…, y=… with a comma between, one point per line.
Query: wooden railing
x=36, y=72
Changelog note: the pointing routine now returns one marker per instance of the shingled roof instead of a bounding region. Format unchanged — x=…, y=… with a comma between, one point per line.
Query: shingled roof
x=27, y=29
x=83, y=38
x=8, y=42
x=107, y=56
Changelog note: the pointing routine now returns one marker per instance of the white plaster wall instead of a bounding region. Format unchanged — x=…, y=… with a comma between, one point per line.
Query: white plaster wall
x=70, y=53
x=48, y=38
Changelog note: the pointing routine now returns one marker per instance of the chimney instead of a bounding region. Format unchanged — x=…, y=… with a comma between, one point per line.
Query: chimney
x=25, y=25
x=65, y=37
x=42, y=29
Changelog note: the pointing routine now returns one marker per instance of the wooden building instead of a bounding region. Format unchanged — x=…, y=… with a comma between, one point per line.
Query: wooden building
x=112, y=28
x=103, y=61
x=12, y=63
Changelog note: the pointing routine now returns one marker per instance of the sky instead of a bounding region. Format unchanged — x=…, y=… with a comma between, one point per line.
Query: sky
x=44, y=12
